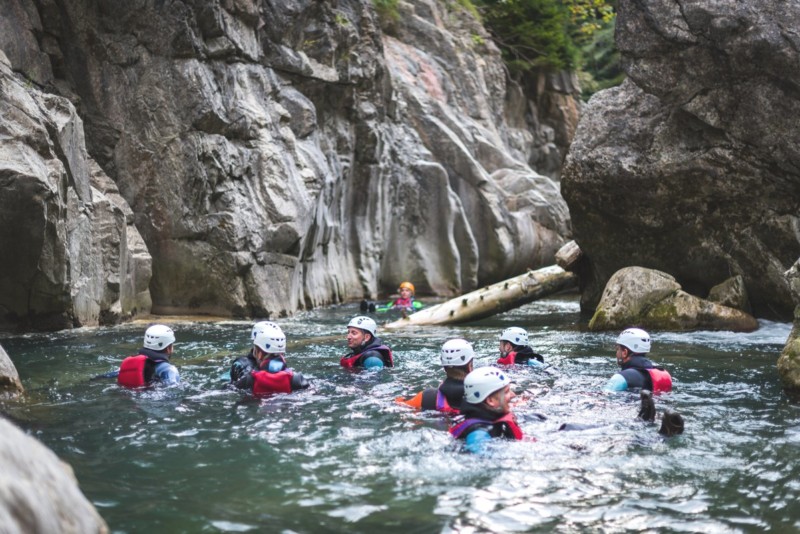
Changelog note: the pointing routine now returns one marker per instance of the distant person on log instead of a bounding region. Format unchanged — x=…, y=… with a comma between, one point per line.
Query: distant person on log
x=264, y=370
x=405, y=303
x=637, y=372
x=366, y=350
x=456, y=357
x=486, y=409
x=515, y=348
x=152, y=364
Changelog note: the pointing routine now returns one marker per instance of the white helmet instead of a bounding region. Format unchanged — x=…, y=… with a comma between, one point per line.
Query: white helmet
x=482, y=382
x=635, y=339
x=363, y=323
x=456, y=352
x=261, y=325
x=158, y=337
x=271, y=340
x=515, y=335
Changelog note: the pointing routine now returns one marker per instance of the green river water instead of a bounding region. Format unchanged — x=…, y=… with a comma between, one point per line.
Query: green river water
x=344, y=457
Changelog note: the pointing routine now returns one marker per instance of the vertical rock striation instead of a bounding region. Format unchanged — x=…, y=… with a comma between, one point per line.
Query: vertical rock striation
x=282, y=155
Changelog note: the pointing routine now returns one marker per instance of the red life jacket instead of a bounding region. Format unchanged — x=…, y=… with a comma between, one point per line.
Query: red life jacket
x=352, y=360
x=404, y=303
x=506, y=426
x=131, y=372
x=266, y=383
x=662, y=381
x=509, y=359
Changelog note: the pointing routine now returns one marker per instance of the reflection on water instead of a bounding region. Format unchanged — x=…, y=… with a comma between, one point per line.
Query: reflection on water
x=343, y=457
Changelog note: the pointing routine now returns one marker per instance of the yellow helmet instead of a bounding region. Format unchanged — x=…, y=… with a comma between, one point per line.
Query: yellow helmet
x=407, y=285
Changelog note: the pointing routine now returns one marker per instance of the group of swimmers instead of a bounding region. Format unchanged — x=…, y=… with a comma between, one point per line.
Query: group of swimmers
x=481, y=397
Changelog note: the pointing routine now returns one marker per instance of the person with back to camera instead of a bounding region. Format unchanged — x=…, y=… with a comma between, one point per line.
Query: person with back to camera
x=244, y=365
x=270, y=373
x=366, y=350
x=515, y=348
x=486, y=409
x=456, y=357
x=152, y=364
x=637, y=372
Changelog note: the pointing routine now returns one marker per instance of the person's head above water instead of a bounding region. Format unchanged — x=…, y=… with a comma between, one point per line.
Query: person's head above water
x=406, y=289
x=632, y=341
x=512, y=339
x=269, y=340
x=491, y=387
x=456, y=357
x=360, y=331
x=261, y=325
x=160, y=338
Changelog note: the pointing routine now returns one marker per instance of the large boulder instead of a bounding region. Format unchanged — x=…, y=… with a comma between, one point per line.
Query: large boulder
x=10, y=385
x=789, y=360
x=653, y=299
x=71, y=254
x=38, y=492
x=281, y=155
x=692, y=166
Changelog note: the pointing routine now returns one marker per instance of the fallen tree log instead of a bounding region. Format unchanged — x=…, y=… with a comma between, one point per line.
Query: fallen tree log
x=493, y=299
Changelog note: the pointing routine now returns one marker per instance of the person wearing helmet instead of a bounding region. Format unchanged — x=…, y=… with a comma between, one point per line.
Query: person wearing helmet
x=405, y=303
x=244, y=365
x=486, y=409
x=152, y=363
x=366, y=350
x=515, y=348
x=264, y=370
x=457, y=357
x=636, y=371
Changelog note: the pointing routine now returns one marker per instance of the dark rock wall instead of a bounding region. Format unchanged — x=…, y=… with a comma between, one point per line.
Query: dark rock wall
x=693, y=165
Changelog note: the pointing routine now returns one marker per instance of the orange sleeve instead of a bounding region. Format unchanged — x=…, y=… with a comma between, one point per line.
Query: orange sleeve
x=414, y=402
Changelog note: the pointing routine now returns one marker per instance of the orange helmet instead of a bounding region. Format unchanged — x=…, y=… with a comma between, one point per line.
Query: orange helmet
x=407, y=285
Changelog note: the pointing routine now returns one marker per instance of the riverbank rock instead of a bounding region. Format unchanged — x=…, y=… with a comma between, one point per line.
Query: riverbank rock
x=10, y=385
x=71, y=254
x=692, y=166
x=731, y=293
x=654, y=300
x=286, y=155
x=789, y=360
x=38, y=492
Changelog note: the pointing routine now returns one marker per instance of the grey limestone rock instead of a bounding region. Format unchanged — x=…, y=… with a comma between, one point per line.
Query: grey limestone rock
x=653, y=299
x=284, y=155
x=38, y=492
x=10, y=385
x=692, y=166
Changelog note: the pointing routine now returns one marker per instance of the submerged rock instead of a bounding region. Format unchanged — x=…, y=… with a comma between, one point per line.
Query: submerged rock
x=653, y=299
x=38, y=492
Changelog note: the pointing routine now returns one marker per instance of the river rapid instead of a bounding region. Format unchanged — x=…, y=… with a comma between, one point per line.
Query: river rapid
x=344, y=457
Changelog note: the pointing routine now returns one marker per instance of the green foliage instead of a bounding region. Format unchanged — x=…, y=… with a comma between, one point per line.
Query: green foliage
x=469, y=6
x=556, y=34
x=387, y=11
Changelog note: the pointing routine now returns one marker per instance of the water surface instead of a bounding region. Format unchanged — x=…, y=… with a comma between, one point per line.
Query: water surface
x=343, y=457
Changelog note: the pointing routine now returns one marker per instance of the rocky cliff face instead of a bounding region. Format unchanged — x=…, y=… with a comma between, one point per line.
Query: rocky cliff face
x=693, y=165
x=279, y=155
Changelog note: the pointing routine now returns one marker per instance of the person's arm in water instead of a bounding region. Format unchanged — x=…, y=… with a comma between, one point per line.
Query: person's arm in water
x=299, y=382
x=167, y=373
x=616, y=383
x=477, y=440
x=373, y=360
